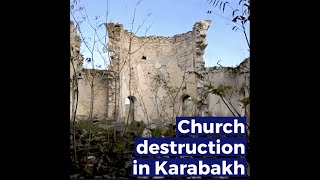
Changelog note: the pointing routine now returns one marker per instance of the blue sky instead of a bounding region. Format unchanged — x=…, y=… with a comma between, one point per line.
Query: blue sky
x=170, y=17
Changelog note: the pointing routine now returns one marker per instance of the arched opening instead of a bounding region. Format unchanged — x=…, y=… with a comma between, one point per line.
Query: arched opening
x=186, y=105
x=130, y=109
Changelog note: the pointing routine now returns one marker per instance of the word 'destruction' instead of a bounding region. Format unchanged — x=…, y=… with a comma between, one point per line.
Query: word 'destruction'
x=220, y=141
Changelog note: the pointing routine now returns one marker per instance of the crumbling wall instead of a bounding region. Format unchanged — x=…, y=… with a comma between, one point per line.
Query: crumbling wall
x=200, y=33
x=80, y=84
x=157, y=71
x=76, y=61
x=76, y=58
x=98, y=79
x=165, y=77
x=238, y=81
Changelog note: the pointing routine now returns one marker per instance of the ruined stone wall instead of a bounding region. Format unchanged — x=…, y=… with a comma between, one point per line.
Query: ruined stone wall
x=238, y=79
x=165, y=77
x=99, y=78
x=156, y=71
x=200, y=34
x=84, y=77
x=76, y=60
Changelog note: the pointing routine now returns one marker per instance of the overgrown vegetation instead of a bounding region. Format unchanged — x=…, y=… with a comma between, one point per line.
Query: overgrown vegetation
x=104, y=149
x=105, y=152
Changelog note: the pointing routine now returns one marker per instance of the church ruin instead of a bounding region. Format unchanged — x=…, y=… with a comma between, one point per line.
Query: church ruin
x=160, y=77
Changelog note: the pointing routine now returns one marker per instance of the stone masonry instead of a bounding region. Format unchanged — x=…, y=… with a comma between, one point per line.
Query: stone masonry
x=163, y=77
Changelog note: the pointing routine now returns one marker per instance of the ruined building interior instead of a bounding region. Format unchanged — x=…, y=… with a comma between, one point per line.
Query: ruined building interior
x=161, y=77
